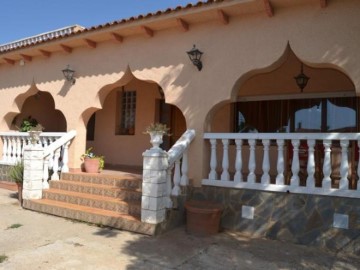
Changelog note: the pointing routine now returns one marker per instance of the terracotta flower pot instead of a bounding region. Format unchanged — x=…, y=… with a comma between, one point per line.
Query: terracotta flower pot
x=203, y=217
x=92, y=165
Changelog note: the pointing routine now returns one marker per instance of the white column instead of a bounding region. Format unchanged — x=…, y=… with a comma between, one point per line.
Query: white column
x=65, y=158
x=310, y=181
x=55, y=175
x=280, y=163
x=265, y=178
x=176, y=191
x=213, y=161
x=33, y=172
x=184, y=170
x=326, y=183
x=238, y=162
x=295, y=166
x=155, y=187
x=252, y=164
x=225, y=176
x=344, y=167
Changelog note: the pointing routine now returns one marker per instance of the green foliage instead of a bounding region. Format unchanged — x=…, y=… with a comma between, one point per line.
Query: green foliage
x=90, y=154
x=159, y=128
x=14, y=226
x=27, y=124
x=3, y=258
x=16, y=173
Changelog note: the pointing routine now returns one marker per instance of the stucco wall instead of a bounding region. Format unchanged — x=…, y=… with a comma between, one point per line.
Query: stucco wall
x=232, y=54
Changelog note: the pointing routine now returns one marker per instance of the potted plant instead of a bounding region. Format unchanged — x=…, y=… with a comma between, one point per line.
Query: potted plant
x=157, y=131
x=27, y=124
x=35, y=132
x=16, y=174
x=92, y=162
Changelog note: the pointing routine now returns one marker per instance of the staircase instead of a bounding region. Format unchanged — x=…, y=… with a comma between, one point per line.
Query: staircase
x=102, y=199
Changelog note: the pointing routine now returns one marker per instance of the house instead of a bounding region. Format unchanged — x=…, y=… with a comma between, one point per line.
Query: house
x=271, y=118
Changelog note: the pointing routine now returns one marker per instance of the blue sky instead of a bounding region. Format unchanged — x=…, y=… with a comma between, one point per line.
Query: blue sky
x=24, y=18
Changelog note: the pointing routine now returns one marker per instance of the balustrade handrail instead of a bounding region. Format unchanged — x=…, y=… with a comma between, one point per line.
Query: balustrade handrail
x=284, y=136
x=177, y=150
x=60, y=142
x=26, y=134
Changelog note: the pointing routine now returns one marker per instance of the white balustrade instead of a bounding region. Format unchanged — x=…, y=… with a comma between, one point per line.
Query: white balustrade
x=282, y=146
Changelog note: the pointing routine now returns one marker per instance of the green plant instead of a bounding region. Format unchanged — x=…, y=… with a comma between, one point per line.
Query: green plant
x=3, y=258
x=89, y=154
x=16, y=173
x=14, y=226
x=157, y=127
x=27, y=124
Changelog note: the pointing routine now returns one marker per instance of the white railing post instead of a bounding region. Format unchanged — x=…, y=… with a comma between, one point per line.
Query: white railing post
x=5, y=149
x=18, y=149
x=326, y=183
x=280, y=163
x=310, y=181
x=184, y=170
x=213, y=161
x=176, y=191
x=46, y=173
x=265, y=178
x=344, y=166
x=65, y=158
x=295, y=166
x=55, y=175
x=33, y=172
x=225, y=176
x=238, y=162
x=252, y=163
x=13, y=149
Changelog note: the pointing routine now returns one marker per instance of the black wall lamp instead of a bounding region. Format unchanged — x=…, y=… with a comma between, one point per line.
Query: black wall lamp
x=69, y=74
x=302, y=79
x=195, y=57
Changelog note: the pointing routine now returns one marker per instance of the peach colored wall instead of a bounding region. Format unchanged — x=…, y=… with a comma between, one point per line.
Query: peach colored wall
x=250, y=43
x=125, y=149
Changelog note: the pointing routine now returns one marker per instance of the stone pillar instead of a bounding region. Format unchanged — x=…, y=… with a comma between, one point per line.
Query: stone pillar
x=154, y=187
x=33, y=172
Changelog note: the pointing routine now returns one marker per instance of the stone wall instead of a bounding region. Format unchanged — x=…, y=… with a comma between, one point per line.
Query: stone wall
x=4, y=169
x=330, y=222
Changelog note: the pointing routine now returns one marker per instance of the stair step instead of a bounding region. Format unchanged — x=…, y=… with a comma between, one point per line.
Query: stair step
x=127, y=194
x=97, y=201
x=122, y=181
x=91, y=215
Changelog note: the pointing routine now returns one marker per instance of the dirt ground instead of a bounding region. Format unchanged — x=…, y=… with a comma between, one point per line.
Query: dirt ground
x=41, y=241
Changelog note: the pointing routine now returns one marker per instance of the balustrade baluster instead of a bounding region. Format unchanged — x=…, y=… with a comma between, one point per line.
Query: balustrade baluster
x=5, y=149
x=326, y=183
x=213, y=161
x=168, y=202
x=176, y=189
x=265, y=178
x=18, y=149
x=55, y=167
x=280, y=163
x=65, y=158
x=9, y=149
x=225, y=176
x=310, y=181
x=23, y=143
x=45, y=184
x=13, y=149
x=184, y=170
x=238, y=162
x=344, y=166
x=252, y=164
x=295, y=166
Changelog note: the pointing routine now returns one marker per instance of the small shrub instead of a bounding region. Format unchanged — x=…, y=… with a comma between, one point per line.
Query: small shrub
x=14, y=226
x=16, y=173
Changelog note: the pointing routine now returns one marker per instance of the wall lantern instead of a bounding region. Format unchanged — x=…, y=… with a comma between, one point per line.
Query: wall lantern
x=195, y=56
x=69, y=74
x=301, y=79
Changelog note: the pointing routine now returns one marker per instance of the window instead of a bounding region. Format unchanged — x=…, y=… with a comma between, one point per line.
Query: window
x=127, y=113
